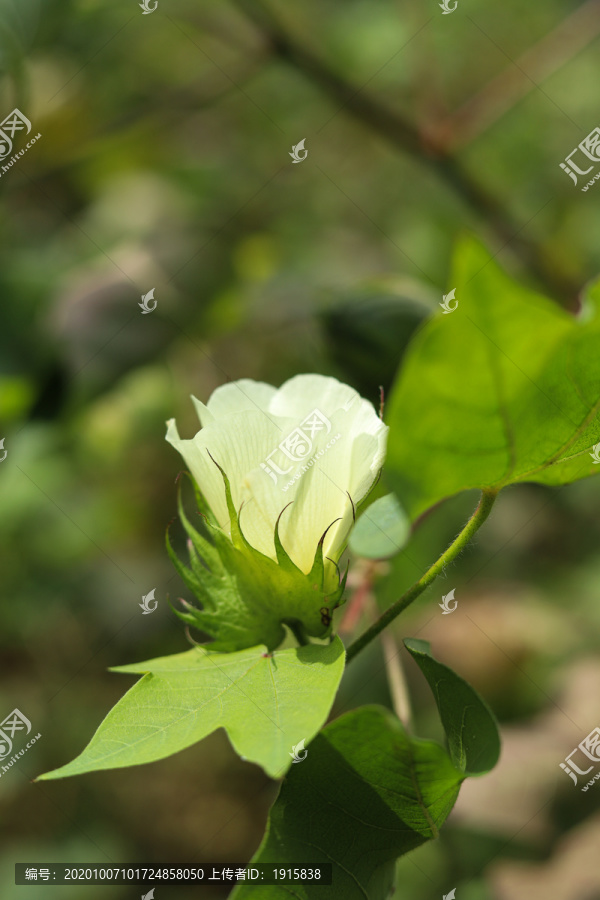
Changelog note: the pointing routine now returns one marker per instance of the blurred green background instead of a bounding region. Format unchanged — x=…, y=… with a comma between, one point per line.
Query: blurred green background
x=163, y=163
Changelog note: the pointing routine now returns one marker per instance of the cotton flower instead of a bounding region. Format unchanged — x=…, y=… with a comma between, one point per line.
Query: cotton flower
x=282, y=470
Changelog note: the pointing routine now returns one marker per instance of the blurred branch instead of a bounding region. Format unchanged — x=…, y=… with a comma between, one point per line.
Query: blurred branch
x=403, y=135
x=396, y=679
x=520, y=77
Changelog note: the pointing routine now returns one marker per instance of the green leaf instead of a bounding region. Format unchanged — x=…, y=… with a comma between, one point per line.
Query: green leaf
x=504, y=389
x=469, y=723
x=381, y=531
x=365, y=794
x=266, y=703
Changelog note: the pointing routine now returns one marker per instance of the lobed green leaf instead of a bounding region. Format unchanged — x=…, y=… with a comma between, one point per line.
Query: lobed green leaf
x=267, y=703
x=504, y=389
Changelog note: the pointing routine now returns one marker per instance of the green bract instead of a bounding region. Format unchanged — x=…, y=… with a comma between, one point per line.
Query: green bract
x=246, y=596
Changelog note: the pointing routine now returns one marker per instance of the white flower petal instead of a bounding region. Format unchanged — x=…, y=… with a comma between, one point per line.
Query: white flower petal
x=203, y=412
x=339, y=463
x=301, y=394
x=313, y=442
x=238, y=450
x=236, y=396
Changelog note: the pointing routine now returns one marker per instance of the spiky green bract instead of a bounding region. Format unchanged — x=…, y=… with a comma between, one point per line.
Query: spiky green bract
x=247, y=597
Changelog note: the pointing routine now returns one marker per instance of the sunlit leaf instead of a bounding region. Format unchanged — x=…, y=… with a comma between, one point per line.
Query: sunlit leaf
x=266, y=703
x=504, y=389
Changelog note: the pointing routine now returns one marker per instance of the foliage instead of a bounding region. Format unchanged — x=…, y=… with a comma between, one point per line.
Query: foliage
x=504, y=389
x=162, y=163
x=266, y=702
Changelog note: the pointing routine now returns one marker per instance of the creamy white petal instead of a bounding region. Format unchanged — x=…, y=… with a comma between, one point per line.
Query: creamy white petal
x=287, y=452
x=203, y=412
x=334, y=483
x=239, y=450
x=236, y=396
x=303, y=393
x=338, y=463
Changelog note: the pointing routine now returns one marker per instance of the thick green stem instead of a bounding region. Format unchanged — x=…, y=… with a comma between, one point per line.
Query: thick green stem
x=475, y=522
x=298, y=632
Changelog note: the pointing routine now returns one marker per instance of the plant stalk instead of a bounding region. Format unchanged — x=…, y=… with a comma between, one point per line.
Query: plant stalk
x=298, y=632
x=483, y=510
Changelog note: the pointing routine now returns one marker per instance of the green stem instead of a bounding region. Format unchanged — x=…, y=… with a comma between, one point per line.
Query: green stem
x=484, y=507
x=298, y=632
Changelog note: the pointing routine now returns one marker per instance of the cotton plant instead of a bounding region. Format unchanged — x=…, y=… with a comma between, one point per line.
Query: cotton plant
x=504, y=390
